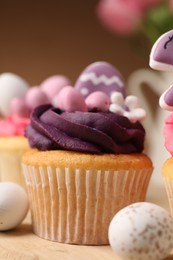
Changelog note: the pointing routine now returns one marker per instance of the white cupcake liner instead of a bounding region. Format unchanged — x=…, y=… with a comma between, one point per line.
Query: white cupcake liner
x=76, y=206
x=10, y=167
x=169, y=190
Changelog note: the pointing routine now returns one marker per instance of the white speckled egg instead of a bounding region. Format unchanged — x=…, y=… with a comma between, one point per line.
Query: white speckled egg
x=11, y=86
x=141, y=231
x=13, y=205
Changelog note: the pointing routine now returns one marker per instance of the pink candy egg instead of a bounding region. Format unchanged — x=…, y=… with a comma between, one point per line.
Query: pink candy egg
x=98, y=101
x=70, y=100
x=18, y=107
x=35, y=97
x=52, y=85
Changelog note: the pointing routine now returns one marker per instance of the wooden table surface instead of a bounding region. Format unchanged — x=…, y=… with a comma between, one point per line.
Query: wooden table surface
x=22, y=244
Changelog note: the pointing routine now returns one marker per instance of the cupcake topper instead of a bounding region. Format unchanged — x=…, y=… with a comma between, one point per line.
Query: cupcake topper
x=100, y=87
x=38, y=95
x=100, y=76
x=128, y=107
x=161, y=58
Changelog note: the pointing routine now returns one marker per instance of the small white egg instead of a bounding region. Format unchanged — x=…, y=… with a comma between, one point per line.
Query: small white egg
x=141, y=231
x=13, y=205
x=11, y=86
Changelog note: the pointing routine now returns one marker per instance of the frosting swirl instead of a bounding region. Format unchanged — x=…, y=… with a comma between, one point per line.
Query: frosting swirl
x=90, y=132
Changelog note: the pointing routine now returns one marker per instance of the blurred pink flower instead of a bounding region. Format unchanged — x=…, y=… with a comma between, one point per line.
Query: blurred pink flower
x=120, y=16
x=143, y=20
x=145, y=4
x=171, y=5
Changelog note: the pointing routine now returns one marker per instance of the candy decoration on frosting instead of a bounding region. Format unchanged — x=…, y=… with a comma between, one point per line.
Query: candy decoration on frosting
x=38, y=95
x=70, y=100
x=161, y=57
x=18, y=107
x=97, y=101
x=100, y=76
x=91, y=93
x=128, y=107
x=17, y=100
x=35, y=97
x=100, y=87
x=52, y=85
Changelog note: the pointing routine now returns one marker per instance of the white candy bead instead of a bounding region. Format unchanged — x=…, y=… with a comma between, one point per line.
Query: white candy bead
x=13, y=205
x=11, y=85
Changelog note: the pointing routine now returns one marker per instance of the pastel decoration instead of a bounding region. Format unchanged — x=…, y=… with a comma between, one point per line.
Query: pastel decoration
x=18, y=107
x=161, y=57
x=7, y=127
x=13, y=205
x=166, y=99
x=142, y=231
x=11, y=85
x=100, y=76
x=69, y=100
x=14, y=125
x=98, y=101
x=52, y=85
x=35, y=97
x=128, y=107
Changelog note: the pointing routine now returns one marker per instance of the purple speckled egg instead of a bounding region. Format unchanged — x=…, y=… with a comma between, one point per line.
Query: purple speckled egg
x=100, y=76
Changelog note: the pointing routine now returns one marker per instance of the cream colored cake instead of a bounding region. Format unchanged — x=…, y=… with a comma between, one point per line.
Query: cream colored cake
x=11, y=150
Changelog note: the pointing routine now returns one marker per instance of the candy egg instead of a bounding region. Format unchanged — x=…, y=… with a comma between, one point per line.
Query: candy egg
x=142, y=231
x=13, y=205
x=98, y=101
x=11, y=85
x=100, y=76
x=52, y=85
x=18, y=107
x=70, y=100
x=35, y=97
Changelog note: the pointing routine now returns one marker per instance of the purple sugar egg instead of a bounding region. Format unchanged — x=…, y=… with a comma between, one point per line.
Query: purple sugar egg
x=100, y=76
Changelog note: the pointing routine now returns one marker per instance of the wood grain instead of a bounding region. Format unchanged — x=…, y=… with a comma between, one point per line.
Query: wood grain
x=22, y=244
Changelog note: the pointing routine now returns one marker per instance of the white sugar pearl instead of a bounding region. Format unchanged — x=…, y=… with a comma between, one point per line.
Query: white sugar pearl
x=13, y=205
x=116, y=109
x=132, y=102
x=117, y=98
x=141, y=231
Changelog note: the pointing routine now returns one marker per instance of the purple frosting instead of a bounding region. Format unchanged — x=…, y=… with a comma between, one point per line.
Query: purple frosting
x=89, y=132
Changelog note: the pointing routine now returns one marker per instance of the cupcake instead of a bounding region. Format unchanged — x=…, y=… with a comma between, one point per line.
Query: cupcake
x=16, y=103
x=86, y=160
x=12, y=140
x=161, y=58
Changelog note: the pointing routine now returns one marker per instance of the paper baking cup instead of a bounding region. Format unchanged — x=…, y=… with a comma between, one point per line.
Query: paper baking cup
x=169, y=190
x=76, y=206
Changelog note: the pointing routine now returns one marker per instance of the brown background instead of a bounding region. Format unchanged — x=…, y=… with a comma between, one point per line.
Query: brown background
x=42, y=38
